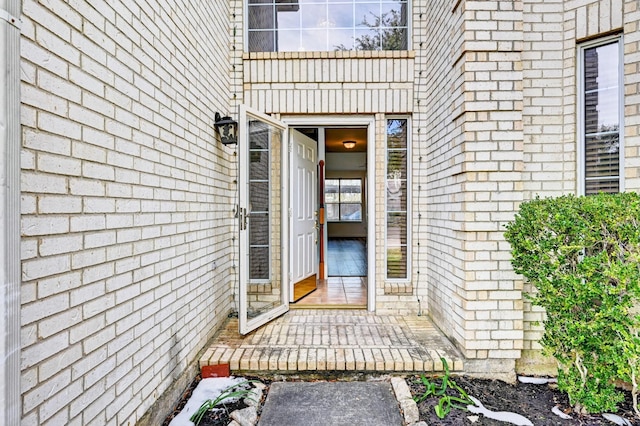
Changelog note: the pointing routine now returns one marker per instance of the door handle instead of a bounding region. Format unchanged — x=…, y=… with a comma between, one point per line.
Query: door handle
x=242, y=218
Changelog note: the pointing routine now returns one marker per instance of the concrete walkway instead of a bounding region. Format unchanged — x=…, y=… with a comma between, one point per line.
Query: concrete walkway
x=331, y=403
x=334, y=341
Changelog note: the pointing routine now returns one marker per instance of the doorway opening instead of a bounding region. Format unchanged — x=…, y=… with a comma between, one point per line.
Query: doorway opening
x=343, y=233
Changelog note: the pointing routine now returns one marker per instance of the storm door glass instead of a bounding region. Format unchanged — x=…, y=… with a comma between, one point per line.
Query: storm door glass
x=262, y=223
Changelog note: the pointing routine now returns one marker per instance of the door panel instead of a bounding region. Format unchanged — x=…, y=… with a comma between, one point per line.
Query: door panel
x=262, y=220
x=305, y=214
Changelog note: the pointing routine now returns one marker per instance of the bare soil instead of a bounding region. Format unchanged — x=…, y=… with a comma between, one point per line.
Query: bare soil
x=533, y=401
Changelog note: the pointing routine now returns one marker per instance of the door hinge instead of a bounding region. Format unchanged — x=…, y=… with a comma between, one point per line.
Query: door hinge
x=290, y=212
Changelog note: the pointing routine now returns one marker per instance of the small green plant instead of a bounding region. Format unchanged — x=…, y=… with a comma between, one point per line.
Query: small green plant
x=232, y=393
x=446, y=402
x=582, y=255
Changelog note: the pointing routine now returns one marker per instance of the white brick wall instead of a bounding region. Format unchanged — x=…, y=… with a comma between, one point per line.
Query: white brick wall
x=126, y=202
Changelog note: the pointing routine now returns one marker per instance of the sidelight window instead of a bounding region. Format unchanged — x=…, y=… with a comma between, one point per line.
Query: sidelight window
x=397, y=200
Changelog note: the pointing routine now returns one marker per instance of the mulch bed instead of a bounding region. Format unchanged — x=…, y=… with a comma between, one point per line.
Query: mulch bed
x=530, y=400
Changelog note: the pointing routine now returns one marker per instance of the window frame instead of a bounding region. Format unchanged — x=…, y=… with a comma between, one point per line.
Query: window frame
x=581, y=130
x=340, y=203
x=409, y=242
x=408, y=30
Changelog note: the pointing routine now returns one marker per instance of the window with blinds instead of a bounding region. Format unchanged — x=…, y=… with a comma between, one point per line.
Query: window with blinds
x=397, y=199
x=600, y=107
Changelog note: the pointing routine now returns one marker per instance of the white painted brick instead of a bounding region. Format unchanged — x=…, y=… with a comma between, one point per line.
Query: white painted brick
x=58, y=164
x=58, y=204
x=87, y=223
x=99, y=339
x=98, y=205
x=57, y=284
x=59, y=244
x=59, y=401
x=95, y=413
x=95, y=273
x=88, y=327
x=40, y=351
x=28, y=249
x=59, y=86
x=39, y=268
x=59, y=126
x=27, y=159
x=47, y=142
x=58, y=362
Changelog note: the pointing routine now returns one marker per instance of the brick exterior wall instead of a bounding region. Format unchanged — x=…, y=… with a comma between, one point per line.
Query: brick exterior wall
x=473, y=134
x=127, y=197
x=552, y=32
x=126, y=203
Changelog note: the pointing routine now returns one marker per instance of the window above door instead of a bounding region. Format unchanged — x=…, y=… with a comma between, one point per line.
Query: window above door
x=326, y=25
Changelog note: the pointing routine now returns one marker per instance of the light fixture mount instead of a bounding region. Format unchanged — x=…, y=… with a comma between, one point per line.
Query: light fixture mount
x=227, y=128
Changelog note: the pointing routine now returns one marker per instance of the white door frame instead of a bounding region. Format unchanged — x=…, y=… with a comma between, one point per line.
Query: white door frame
x=369, y=123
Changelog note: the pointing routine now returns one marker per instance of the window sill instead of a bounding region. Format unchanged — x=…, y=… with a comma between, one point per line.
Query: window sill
x=398, y=288
x=342, y=54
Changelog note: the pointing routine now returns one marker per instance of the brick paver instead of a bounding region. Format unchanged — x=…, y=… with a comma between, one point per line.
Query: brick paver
x=335, y=340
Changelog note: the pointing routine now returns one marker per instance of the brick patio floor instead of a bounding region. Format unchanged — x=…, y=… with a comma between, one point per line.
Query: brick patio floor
x=335, y=340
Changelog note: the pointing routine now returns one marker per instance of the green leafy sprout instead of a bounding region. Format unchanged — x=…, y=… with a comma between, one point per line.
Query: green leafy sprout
x=446, y=402
x=229, y=394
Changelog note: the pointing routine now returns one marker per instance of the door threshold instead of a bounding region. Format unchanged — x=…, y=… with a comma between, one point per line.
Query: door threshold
x=325, y=306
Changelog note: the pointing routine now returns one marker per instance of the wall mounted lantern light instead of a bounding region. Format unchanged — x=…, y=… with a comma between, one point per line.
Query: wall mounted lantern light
x=349, y=144
x=227, y=128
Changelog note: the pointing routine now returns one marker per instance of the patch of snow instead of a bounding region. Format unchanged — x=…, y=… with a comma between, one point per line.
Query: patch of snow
x=503, y=416
x=616, y=419
x=209, y=388
x=559, y=413
x=536, y=380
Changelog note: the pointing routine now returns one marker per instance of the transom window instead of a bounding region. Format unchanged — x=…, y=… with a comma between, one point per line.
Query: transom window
x=326, y=25
x=601, y=108
x=343, y=200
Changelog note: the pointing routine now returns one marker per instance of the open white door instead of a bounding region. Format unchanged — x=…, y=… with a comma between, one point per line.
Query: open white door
x=263, y=220
x=304, y=215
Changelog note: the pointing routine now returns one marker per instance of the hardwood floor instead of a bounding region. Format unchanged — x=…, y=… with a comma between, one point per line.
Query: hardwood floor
x=346, y=286
x=347, y=257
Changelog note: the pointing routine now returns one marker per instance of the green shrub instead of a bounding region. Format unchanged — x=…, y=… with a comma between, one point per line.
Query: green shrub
x=582, y=255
